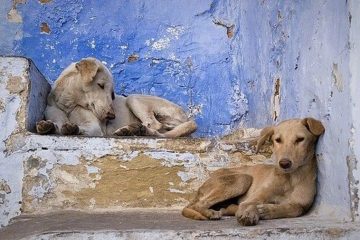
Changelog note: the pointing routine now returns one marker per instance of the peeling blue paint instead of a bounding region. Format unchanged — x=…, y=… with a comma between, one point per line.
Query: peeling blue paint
x=183, y=52
x=183, y=55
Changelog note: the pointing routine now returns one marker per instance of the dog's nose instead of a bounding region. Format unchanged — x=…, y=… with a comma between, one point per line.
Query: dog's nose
x=110, y=115
x=285, y=163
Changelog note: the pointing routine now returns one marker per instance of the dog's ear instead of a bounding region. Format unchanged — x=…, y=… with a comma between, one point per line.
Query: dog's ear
x=314, y=126
x=88, y=69
x=265, y=134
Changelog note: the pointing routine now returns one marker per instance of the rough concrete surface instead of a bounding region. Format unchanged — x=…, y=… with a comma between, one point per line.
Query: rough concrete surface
x=165, y=224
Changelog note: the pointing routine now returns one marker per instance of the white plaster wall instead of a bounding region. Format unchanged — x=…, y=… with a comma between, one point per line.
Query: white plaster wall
x=11, y=168
x=316, y=82
x=354, y=104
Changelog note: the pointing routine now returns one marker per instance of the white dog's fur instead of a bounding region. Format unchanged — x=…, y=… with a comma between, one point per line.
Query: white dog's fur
x=82, y=101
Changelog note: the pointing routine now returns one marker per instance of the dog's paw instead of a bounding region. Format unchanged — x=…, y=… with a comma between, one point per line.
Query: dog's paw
x=264, y=211
x=214, y=215
x=134, y=129
x=248, y=218
x=69, y=129
x=45, y=127
x=124, y=131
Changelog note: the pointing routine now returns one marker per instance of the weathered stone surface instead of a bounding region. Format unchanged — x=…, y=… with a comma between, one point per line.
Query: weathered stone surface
x=112, y=173
x=23, y=93
x=159, y=224
x=13, y=95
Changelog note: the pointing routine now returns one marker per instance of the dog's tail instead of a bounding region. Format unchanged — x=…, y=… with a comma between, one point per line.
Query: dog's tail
x=191, y=213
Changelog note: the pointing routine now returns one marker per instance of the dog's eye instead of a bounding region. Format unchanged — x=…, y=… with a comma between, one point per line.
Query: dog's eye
x=278, y=140
x=112, y=95
x=299, y=140
x=101, y=85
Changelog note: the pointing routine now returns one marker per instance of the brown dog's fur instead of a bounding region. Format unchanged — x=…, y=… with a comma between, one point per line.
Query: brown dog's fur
x=82, y=101
x=285, y=189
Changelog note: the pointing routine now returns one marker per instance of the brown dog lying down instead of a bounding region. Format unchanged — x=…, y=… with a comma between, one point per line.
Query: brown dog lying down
x=82, y=101
x=283, y=190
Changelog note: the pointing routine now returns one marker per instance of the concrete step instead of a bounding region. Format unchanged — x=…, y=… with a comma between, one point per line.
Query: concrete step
x=168, y=224
x=62, y=173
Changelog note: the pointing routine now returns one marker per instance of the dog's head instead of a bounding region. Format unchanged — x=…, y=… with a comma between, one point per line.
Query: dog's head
x=97, y=88
x=293, y=142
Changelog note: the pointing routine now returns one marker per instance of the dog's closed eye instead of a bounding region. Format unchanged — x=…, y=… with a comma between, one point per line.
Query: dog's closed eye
x=299, y=139
x=278, y=140
x=101, y=85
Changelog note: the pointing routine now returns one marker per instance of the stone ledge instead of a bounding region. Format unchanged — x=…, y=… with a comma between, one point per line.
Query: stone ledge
x=169, y=224
x=82, y=173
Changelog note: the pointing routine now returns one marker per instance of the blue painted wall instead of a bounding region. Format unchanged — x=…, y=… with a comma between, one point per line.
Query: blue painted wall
x=180, y=50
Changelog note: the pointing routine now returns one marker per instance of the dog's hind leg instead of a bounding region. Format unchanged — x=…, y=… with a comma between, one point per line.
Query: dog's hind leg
x=143, y=112
x=184, y=129
x=229, y=210
x=219, y=189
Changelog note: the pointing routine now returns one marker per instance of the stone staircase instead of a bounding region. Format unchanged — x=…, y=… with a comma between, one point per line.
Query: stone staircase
x=59, y=187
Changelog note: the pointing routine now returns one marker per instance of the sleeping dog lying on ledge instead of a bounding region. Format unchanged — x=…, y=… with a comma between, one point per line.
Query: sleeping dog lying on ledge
x=285, y=189
x=82, y=101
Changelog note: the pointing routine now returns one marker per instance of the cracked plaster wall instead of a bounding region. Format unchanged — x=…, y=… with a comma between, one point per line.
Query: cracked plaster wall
x=11, y=170
x=354, y=85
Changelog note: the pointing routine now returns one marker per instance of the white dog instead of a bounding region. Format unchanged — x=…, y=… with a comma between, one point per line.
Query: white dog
x=82, y=101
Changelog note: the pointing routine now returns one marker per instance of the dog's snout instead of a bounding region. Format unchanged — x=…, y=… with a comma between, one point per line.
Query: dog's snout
x=110, y=115
x=285, y=163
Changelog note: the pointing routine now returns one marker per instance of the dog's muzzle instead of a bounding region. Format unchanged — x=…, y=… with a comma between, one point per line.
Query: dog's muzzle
x=110, y=115
x=285, y=163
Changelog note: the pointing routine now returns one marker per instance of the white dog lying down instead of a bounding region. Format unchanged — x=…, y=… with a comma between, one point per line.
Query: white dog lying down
x=82, y=101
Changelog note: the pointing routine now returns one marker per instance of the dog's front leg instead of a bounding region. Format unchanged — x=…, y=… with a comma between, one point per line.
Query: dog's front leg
x=285, y=210
x=293, y=206
x=247, y=214
x=55, y=119
x=86, y=123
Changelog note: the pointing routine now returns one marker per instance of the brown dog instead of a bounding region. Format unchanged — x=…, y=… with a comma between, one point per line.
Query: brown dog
x=285, y=189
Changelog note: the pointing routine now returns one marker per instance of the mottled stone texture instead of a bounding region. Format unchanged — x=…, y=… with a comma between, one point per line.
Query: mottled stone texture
x=22, y=102
x=108, y=174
